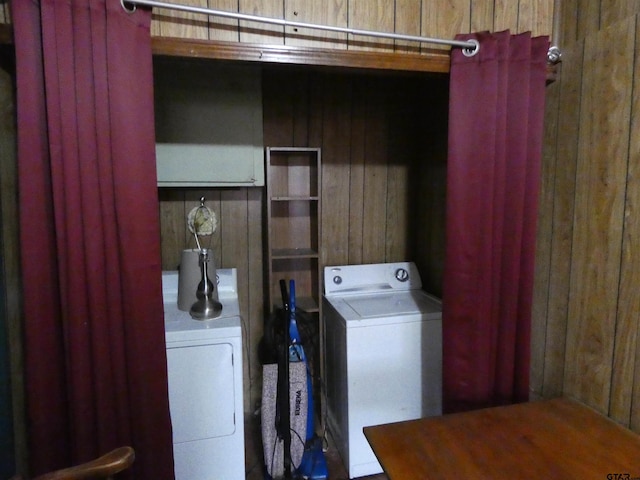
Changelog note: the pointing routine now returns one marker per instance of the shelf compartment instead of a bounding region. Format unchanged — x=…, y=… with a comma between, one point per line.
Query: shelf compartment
x=293, y=172
x=302, y=270
x=294, y=225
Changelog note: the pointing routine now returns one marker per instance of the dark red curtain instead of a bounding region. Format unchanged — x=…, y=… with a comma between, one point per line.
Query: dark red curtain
x=493, y=175
x=95, y=361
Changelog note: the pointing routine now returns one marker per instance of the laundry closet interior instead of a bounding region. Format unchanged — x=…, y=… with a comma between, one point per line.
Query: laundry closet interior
x=382, y=133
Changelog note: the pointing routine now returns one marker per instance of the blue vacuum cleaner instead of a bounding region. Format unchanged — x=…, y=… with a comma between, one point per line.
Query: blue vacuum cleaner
x=313, y=465
x=291, y=447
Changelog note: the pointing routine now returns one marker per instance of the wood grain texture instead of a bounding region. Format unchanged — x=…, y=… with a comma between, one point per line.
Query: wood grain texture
x=535, y=16
x=408, y=18
x=613, y=11
x=436, y=19
x=375, y=175
x=445, y=19
x=544, y=237
x=506, y=16
x=356, y=175
x=599, y=215
x=557, y=438
x=173, y=23
x=5, y=13
x=371, y=15
x=482, y=15
x=254, y=320
x=626, y=333
x=257, y=32
x=333, y=13
x=588, y=18
x=336, y=138
x=634, y=162
x=564, y=177
x=221, y=28
x=568, y=23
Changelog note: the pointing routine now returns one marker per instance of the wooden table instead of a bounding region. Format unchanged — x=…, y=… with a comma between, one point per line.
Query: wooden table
x=549, y=439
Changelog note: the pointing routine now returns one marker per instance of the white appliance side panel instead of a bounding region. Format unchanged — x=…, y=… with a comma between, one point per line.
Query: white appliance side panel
x=201, y=391
x=336, y=379
x=219, y=458
x=386, y=368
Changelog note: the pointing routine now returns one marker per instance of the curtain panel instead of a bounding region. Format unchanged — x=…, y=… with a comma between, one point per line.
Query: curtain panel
x=95, y=361
x=493, y=174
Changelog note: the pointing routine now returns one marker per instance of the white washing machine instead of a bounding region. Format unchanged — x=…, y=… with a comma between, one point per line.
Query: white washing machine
x=383, y=354
x=204, y=363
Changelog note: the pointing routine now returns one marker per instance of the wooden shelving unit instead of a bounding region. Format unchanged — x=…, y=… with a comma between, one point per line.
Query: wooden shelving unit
x=293, y=217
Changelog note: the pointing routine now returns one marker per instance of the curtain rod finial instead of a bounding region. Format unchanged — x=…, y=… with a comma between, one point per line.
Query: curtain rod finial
x=554, y=55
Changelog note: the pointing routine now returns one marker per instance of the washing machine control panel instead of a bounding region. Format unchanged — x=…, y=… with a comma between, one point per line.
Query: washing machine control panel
x=402, y=275
x=371, y=277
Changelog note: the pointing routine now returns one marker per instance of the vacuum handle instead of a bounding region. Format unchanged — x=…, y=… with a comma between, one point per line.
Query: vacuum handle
x=284, y=294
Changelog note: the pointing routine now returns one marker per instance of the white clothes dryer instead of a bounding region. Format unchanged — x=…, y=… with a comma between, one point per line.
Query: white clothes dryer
x=383, y=354
x=204, y=365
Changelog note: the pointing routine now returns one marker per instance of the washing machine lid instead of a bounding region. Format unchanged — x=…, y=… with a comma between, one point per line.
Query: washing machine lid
x=390, y=304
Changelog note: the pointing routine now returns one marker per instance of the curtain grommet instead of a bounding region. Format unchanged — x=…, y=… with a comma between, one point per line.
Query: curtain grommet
x=128, y=6
x=473, y=49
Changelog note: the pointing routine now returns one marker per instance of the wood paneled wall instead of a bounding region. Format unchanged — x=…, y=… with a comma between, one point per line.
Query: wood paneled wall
x=383, y=141
x=579, y=19
x=587, y=306
x=430, y=18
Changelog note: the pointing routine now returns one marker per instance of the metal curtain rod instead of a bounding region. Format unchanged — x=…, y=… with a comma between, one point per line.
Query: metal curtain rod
x=469, y=47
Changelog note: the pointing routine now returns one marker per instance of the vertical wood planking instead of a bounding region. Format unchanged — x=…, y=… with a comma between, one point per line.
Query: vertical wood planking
x=299, y=93
x=356, y=173
x=544, y=237
x=375, y=175
x=332, y=13
x=173, y=23
x=402, y=135
x=4, y=13
x=626, y=332
x=221, y=28
x=562, y=218
x=336, y=134
x=256, y=32
x=407, y=20
x=588, y=18
x=612, y=11
x=568, y=22
x=596, y=252
x=277, y=109
x=445, y=19
x=254, y=320
x=535, y=16
x=234, y=251
x=370, y=15
x=172, y=216
x=482, y=15
x=634, y=164
x=436, y=19
x=506, y=15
